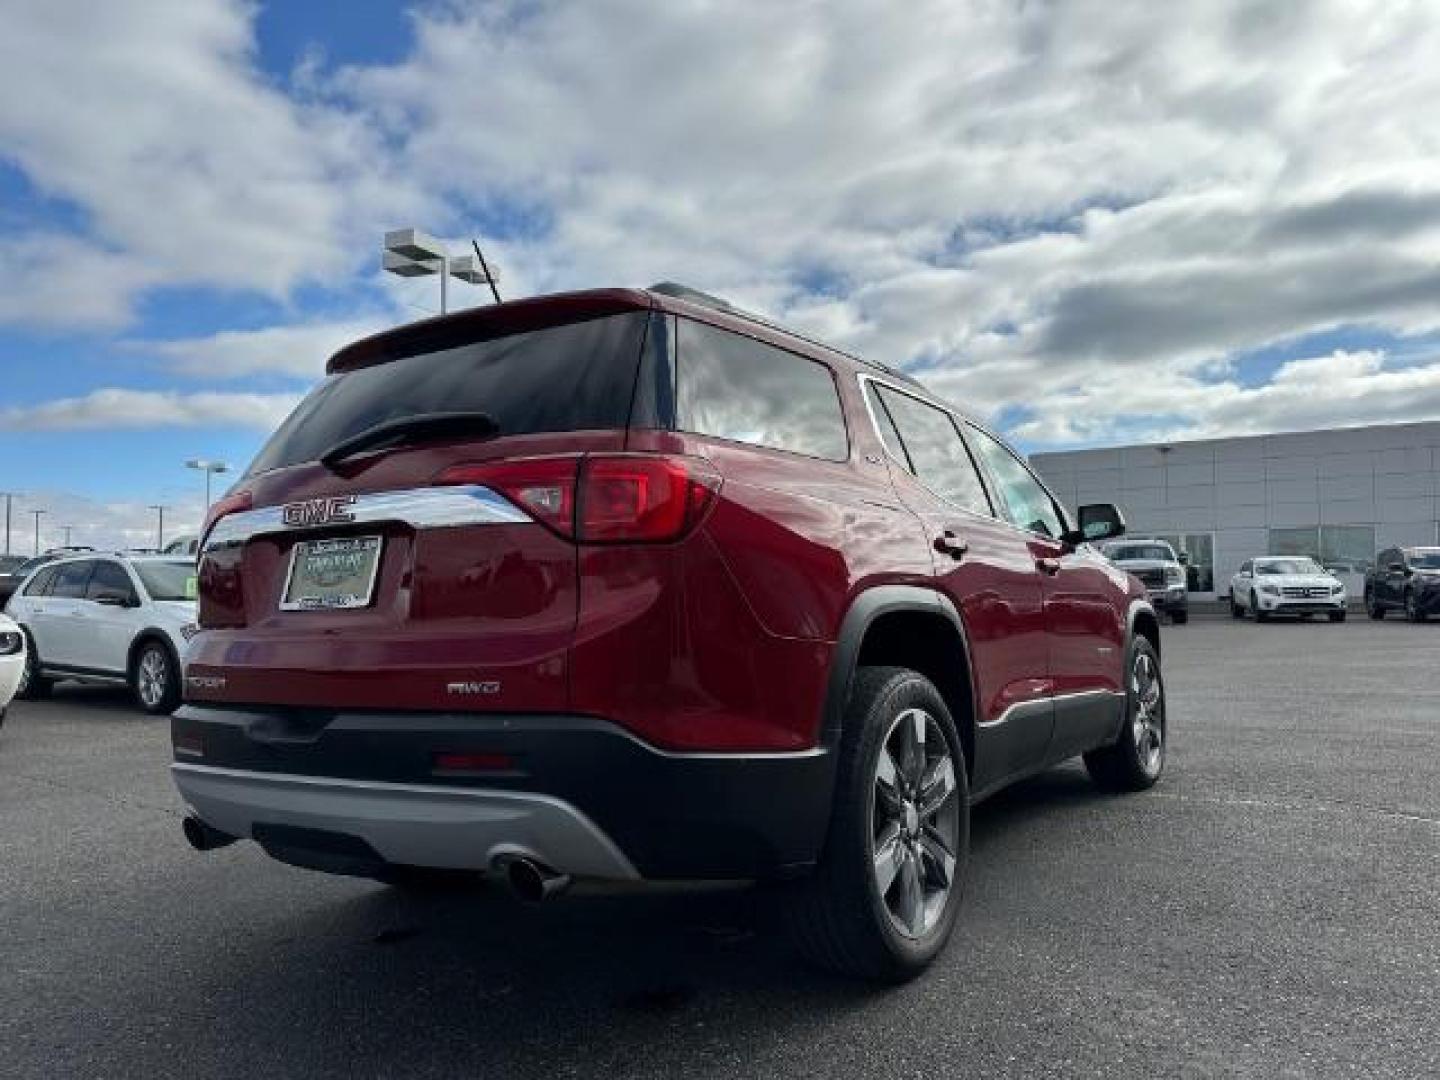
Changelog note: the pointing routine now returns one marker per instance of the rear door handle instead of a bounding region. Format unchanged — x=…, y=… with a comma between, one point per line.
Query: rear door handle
x=1048, y=565
x=948, y=543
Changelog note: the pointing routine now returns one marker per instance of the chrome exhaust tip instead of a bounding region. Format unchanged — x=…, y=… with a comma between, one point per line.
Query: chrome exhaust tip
x=202, y=837
x=534, y=882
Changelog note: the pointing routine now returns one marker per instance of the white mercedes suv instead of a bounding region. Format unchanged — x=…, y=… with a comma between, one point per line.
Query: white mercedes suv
x=108, y=618
x=1286, y=585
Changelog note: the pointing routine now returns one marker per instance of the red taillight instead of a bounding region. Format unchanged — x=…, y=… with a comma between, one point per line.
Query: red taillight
x=229, y=504
x=602, y=498
x=544, y=486
x=643, y=497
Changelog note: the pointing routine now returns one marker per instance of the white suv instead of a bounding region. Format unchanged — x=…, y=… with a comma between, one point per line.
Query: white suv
x=1286, y=585
x=108, y=618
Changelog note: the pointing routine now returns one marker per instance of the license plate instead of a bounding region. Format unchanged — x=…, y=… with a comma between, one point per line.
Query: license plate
x=330, y=575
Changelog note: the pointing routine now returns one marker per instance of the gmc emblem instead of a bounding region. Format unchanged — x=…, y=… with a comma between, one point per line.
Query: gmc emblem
x=311, y=512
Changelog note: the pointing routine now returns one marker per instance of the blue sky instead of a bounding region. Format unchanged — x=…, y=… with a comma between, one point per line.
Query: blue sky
x=1090, y=222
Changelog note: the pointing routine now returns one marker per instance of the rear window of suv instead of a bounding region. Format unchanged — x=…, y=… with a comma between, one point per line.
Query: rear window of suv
x=572, y=377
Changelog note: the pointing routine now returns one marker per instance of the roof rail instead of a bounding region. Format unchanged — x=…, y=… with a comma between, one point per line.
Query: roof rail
x=704, y=299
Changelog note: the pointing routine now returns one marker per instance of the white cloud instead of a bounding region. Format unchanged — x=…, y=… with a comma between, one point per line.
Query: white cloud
x=1340, y=389
x=1268, y=173
x=1084, y=206
x=181, y=155
x=116, y=408
x=299, y=350
x=57, y=282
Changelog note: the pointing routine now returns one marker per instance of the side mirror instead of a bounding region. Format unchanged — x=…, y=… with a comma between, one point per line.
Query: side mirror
x=112, y=598
x=1098, y=521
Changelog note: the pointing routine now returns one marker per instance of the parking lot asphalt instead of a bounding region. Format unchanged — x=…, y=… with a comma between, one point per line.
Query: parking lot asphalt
x=1269, y=910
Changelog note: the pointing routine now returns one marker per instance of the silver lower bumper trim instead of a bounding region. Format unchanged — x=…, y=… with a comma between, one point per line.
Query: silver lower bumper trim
x=409, y=824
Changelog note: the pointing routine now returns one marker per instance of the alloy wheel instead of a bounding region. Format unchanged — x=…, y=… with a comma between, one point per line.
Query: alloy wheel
x=154, y=675
x=1148, y=721
x=915, y=823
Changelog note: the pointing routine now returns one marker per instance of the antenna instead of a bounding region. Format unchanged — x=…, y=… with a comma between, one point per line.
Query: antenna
x=485, y=269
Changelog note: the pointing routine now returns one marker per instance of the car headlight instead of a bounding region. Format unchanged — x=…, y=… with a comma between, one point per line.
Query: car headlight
x=11, y=643
x=1270, y=590
x=1337, y=589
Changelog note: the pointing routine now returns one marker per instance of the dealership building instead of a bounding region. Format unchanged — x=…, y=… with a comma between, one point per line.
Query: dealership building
x=1339, y=496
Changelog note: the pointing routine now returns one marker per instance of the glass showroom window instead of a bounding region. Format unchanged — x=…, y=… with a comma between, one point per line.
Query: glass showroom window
x=1302, y=541
x=1345, y=548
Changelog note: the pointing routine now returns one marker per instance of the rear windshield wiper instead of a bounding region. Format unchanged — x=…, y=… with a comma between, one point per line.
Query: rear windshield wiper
x=409, y=429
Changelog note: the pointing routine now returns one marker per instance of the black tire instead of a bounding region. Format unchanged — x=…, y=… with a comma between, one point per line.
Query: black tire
x=33, y=686
x=1373, y=607
x=1412, y=607
x=1236, y=611
x=839, y=916
x=163, y=698
x=1337, y=616
x=1180, y=617
x=1260, y=616
x=1134, y=762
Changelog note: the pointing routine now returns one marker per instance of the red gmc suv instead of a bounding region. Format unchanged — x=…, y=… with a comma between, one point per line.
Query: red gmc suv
x=632, y=585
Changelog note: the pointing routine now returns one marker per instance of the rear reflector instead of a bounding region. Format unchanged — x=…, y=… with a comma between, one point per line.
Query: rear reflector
x=603, y=498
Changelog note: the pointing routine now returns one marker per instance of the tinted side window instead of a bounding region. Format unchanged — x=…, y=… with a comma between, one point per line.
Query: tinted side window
x=936, y=452
x=40, y=583
x=70, y=579
x=1027, y=504
x=108, y=577
x=734, y=387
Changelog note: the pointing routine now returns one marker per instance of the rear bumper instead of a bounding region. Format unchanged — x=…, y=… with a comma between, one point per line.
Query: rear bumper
x=407, y=824
x=352, y=792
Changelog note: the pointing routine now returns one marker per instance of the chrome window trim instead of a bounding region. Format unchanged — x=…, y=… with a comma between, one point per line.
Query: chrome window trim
x=955, y=418
x=961, y=422
x=420, y=508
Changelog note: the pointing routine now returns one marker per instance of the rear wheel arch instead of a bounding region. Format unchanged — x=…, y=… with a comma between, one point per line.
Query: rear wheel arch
x=909, y=627
x=1146, y=623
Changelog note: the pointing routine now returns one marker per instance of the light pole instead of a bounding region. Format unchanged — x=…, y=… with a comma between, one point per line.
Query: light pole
x=38, y=514
x=10, y=496
x=159, y=526
x=210, y=468
x=411, y=253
